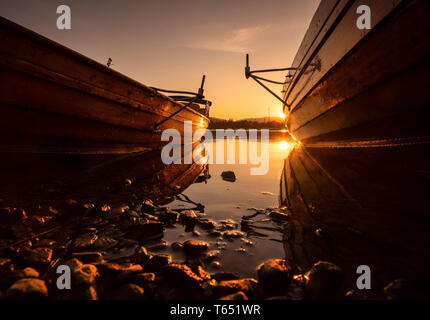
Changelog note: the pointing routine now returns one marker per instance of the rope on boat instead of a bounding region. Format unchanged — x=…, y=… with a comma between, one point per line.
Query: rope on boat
x=190, y=99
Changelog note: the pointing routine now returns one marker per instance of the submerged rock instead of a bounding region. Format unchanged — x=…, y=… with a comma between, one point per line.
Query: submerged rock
x=29, y=288
x=323, y=281
x=275, y=275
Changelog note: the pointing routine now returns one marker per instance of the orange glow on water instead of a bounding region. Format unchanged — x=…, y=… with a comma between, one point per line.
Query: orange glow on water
x=286, y=146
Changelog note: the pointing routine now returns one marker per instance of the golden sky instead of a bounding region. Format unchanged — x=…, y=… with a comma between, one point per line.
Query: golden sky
x=171, y=44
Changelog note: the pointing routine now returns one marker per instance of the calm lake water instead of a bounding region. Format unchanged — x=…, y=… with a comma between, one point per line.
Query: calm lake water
x=233, y=200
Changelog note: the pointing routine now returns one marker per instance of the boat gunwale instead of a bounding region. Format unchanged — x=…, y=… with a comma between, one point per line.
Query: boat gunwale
x=302, y=65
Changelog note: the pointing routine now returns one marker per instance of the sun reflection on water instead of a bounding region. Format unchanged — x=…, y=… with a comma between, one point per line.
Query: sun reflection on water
x=286, y=146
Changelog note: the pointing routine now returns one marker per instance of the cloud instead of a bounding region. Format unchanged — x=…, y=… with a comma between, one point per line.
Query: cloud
x=239, y=40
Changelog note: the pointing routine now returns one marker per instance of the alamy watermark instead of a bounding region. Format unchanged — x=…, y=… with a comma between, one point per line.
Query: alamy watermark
x=204, y=152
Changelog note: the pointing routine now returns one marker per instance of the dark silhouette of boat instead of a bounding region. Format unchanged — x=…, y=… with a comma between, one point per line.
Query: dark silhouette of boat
x=53, y=99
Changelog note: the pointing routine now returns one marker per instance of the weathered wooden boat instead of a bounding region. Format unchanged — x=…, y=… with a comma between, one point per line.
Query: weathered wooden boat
x=348, y=84
x=53, y=99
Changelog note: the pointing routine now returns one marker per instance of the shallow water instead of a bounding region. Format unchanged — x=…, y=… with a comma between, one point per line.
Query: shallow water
x=232, y=200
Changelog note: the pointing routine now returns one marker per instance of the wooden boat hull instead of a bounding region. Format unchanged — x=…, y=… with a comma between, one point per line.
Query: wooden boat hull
x=53, y=99
x=362, y=85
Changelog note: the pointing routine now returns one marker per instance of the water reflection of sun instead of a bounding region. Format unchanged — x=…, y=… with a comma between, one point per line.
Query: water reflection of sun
x=286, y=146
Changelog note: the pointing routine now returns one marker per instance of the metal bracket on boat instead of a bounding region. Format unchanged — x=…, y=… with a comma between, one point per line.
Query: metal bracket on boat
x=250, y=74
x=188, y=97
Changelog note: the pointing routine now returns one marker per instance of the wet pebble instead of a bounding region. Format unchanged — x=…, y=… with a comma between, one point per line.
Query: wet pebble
x=141, y=256
x=210, y=255
x=181, y=274
x=230, y=234
x=228, y=176
x=249, y=286
x=85, y=275
x=157, y=262
x=28, y=288
x=241, y=250
x=195, y=247
x=84, y=240
x=275, y=275
x=196, y=233
x=323, y=281
x=248, y=242
x=207, y=224
x=35, y=257
x=188, y=217
x=26, y=273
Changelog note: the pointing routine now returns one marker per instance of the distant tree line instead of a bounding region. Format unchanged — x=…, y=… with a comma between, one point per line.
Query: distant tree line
x=245, y=124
